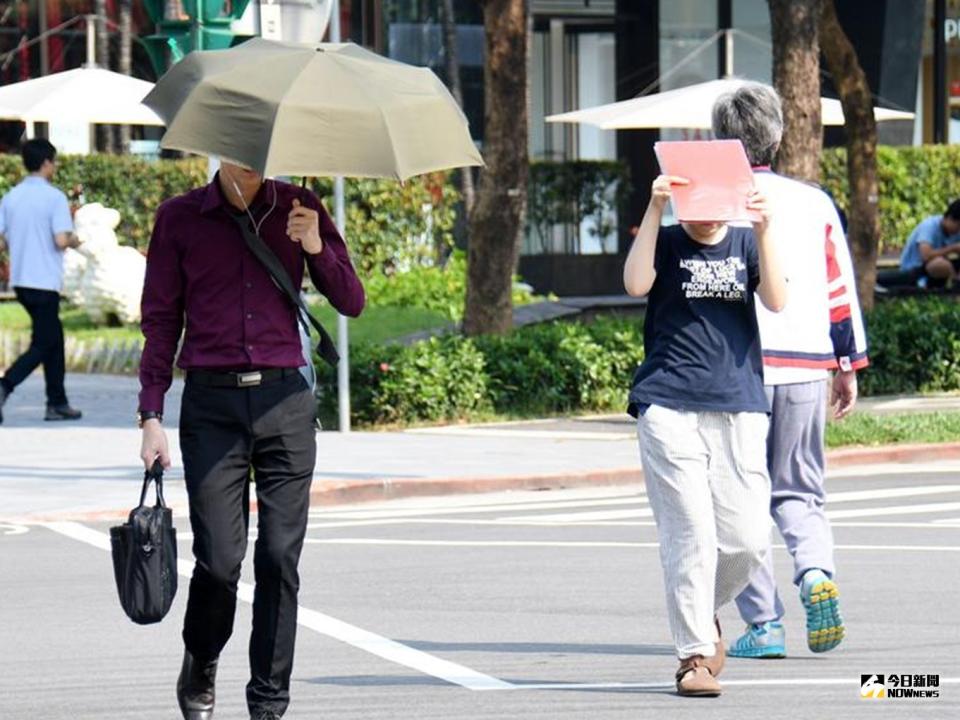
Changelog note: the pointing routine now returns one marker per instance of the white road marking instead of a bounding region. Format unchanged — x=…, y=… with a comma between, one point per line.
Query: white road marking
x=13, y=529
x=583, y=544
x=585, y=517
x=885, y=493
x=478, y=508
x=939, y=467
x=953, y=524
x=331, y=627
x=895, y=510
x=333, y=518
x=526, y=434
x=479, y=543
x=759, y=682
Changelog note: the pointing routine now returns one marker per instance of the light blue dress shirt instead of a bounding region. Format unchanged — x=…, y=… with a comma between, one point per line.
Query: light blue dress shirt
x=31, y=214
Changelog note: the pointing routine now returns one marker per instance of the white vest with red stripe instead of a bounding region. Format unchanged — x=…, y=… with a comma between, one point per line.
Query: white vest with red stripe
x=820, y=328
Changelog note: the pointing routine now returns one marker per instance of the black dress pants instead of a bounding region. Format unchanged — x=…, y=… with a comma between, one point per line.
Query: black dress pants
x=46, y=344
x=224, y=434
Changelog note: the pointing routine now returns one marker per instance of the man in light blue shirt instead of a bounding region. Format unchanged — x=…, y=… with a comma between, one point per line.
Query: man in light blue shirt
x=36, y=224
x=926, y=256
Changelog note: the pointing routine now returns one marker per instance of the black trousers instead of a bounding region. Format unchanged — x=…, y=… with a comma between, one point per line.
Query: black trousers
x=46, y=344
x=224, y=434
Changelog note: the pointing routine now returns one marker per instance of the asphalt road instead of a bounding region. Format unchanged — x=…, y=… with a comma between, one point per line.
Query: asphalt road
x=522, y=605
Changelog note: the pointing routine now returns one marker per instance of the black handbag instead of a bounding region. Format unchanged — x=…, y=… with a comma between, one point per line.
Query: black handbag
x=144, y=553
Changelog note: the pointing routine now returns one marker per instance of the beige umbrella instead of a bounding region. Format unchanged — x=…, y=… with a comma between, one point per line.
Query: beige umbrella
x=326, y=109
x=689, y=107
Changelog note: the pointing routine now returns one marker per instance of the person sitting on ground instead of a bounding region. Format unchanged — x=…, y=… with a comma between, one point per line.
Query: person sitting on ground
x=927, y=255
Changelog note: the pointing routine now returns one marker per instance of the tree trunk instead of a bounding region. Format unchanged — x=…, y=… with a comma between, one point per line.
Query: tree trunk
x=126, y=63
x=456, y=89
x=796, y=75
x=497, y=221
x=104, y=132
x=861, y=131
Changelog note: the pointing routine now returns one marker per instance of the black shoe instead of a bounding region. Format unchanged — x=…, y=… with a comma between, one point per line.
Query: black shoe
x=62, y=412
x=195, y=687
x=4, y=394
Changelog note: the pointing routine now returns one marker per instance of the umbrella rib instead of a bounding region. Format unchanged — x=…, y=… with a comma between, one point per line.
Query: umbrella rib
x=383, y=117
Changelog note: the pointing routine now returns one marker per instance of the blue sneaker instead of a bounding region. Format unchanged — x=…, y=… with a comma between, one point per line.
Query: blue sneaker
x=819, y=595
x=762, y=640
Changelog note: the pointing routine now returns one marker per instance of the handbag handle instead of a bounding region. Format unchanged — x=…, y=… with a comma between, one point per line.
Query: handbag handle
x=155, y=473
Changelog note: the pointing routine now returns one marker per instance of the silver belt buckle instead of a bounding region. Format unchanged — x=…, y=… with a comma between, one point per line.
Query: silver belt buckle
x=249, y=379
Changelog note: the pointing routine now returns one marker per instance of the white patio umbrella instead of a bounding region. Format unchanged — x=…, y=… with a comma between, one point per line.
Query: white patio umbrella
x=688, y=107
x=84, y=95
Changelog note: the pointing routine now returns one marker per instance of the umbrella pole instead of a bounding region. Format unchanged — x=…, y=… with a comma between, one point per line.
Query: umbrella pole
x=343, y=342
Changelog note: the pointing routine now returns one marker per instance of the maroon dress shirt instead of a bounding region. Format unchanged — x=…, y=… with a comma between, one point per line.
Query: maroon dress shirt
x=201, y=276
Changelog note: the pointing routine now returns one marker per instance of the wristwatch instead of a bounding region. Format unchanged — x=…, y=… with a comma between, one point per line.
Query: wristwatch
x=144, y=415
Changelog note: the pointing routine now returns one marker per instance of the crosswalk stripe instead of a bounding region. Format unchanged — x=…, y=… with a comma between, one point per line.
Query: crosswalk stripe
x=586, y=516
x=480, y=508
x=894, y=510
x=581, y=544
x=887, y=493
x=324, y=624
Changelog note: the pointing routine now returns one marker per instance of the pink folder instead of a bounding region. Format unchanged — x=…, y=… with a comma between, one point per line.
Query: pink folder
x=720, y=179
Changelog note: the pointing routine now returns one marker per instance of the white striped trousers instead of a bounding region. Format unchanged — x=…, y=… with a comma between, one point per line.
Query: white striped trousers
x=706, y=477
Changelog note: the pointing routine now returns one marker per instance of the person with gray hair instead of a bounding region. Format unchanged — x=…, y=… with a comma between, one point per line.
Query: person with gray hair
x=800, y=347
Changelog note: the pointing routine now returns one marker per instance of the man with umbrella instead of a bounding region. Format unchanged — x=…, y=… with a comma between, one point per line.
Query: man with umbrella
x=246, y=407
x=278, y=109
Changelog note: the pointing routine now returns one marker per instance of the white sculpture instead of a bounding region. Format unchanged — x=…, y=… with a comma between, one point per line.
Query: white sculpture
x=102, y=277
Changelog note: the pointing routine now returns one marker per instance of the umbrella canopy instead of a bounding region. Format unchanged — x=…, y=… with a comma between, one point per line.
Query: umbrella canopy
x=326, y=109
x=90, y=95
x=689, y=107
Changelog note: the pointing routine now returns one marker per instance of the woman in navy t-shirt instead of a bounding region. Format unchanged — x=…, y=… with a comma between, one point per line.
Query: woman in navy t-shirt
x=702, y=415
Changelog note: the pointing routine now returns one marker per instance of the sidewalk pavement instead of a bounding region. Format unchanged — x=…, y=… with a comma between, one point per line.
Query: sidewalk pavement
x=91, y=468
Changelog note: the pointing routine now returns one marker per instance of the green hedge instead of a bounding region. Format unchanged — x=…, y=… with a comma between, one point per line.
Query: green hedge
x=573, y=367
x=542, y=369
x=914, y=347
x=442, y=289
x=915, y=182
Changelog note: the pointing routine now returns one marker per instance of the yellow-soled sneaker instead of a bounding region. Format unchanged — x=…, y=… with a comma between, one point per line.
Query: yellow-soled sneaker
x=820, y=598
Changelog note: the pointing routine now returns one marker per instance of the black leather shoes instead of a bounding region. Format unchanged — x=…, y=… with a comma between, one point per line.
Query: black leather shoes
x=264, y=715
x=195, y=687
x=61, y=412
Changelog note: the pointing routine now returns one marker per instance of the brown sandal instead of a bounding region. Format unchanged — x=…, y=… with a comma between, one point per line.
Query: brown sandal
x=694, y=678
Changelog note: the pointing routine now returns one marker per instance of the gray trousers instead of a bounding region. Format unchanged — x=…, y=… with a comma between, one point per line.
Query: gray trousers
x=796, y=462
x=707, y=482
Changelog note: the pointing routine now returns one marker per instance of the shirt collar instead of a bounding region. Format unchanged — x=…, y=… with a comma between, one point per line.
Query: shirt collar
x=213, y=198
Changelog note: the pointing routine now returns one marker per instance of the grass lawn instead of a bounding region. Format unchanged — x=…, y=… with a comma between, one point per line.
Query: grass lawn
x=75, y=322
x=865, y=429
x=380, y=324
x=376, y=324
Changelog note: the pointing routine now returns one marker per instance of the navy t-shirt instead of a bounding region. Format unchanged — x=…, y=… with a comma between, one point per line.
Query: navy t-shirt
x=700, y=334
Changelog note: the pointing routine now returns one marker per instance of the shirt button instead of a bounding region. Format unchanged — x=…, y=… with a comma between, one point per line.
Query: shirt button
x=249, y=316
x=249, y=285
x=250, y=348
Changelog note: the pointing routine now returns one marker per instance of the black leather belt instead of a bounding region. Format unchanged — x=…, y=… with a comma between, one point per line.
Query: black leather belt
x=250, y=378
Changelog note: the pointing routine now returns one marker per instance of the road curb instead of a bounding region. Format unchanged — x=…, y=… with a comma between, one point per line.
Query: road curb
x=328, y=492
x=336, y=492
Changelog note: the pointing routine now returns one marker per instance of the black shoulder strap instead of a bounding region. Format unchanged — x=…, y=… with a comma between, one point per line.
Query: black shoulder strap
x=281, y=278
